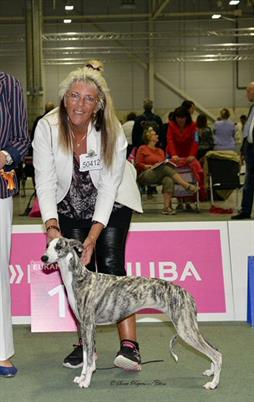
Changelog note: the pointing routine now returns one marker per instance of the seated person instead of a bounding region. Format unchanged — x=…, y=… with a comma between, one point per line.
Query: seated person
x=205, y=136
x=224, y=133
x=182, y=145
x=153, y=168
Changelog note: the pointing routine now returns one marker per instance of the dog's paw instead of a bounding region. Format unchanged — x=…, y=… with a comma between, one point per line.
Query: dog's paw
x=210, y=385
x=84, y=384
x=81, y=381
x=208, y=373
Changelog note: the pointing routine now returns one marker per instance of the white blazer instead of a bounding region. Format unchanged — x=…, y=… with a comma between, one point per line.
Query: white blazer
x=54, y=167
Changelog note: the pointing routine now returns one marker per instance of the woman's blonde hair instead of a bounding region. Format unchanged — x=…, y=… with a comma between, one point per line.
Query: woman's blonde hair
x=105, y=118
x=147, y=134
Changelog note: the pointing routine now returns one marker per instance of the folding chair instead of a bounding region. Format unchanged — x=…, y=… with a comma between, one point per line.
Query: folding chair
x=182, y=193
x=224, y=174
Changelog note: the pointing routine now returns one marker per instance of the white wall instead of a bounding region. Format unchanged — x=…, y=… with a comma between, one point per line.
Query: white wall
x=211, y=84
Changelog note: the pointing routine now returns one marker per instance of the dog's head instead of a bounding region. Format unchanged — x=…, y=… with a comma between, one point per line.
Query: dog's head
x=60, y=248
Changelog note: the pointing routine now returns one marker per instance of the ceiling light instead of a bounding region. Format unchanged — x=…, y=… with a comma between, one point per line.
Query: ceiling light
x=68, y=7
x=67, y=21
x=216, y=16
x=128, y=4
x=234, y=2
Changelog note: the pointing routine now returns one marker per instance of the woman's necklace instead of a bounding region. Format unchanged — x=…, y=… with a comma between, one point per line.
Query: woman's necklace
x=78, y=143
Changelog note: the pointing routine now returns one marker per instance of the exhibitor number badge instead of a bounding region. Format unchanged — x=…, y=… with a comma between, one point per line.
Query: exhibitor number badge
x=89, y=162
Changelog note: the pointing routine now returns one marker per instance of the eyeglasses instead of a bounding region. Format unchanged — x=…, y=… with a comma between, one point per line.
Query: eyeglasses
x=75, y=97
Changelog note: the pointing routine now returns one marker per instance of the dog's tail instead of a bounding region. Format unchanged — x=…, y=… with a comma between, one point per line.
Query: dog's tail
x=171, y=347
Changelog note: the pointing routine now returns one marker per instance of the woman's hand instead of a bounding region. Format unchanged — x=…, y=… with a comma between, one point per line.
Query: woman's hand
x=190, y=158
x=52, y=229
x=175, y=158
x=90, y=242
x=53, y=234
x=2, y=160
x=89, y=246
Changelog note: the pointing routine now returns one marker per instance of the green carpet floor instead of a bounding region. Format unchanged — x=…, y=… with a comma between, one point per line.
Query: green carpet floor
x=152, y=210
x=42, y=378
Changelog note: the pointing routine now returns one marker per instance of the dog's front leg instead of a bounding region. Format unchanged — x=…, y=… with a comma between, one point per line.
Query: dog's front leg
x=89, y=356
x=80, y=379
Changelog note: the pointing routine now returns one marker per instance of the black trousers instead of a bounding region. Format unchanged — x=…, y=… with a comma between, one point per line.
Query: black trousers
x=248, y=189
x=109, y=252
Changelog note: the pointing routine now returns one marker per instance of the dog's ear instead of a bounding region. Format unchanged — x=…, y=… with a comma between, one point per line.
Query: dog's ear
x=77, y=246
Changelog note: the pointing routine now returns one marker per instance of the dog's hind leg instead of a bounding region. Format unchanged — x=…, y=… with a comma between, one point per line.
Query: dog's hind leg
x=187, y=329
x=208, y=372
x=89, y=356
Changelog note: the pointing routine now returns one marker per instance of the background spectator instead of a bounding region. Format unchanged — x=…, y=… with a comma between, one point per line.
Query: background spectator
x=189, y=105
x=165, y=130
x=239, y=132
x=182, y=144
x=205, y=136
x=127, y=128
x=153, y=169
x=224, y=133
x=146, y=119
x=248, y=150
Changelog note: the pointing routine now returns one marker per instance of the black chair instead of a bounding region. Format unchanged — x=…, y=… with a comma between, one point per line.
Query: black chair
x=27, y=170
x=224, y=174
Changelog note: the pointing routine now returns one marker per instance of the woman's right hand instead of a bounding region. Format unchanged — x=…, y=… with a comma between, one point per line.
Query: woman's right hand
x=52, y=229
x=53, y=234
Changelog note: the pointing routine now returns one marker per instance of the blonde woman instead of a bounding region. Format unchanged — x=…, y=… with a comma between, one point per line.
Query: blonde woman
x=85, y=187
x=153, y=168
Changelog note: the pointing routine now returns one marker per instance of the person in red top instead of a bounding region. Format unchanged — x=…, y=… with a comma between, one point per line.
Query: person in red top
x=153, y=168
x=181, y=136
x=182, y=144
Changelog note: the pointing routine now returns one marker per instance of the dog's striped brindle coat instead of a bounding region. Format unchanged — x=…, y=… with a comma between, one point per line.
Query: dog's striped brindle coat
x=105, y=299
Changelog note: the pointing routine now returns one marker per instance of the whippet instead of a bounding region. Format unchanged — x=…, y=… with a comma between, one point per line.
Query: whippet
x=98, y=298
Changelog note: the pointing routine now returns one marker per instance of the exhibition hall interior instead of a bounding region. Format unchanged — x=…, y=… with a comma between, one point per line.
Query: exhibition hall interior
x=187, y=65
x=166, y=51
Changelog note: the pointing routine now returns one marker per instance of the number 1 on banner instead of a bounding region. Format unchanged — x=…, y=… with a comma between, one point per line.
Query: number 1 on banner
x=61, y=300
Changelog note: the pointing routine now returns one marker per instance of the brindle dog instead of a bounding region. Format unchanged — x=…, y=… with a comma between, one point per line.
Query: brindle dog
x=105, y=299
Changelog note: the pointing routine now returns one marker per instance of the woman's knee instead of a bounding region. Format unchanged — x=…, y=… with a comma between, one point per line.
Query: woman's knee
x=167, y=185
x=145, y=179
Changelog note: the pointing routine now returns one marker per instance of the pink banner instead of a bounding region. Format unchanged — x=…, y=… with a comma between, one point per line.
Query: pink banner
x=190, y=258
x=27, y=249
x=50, y=311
